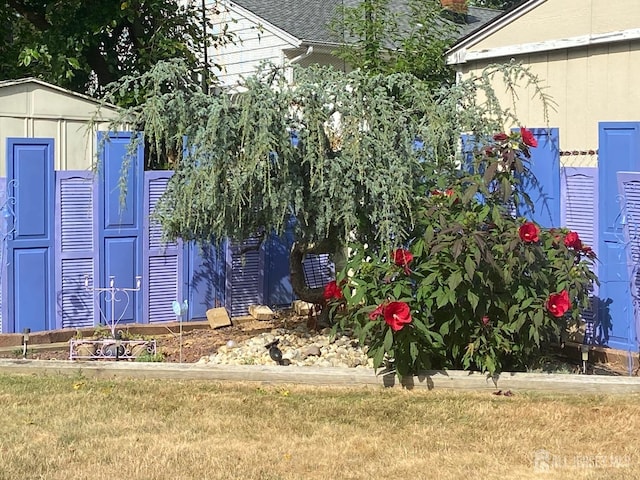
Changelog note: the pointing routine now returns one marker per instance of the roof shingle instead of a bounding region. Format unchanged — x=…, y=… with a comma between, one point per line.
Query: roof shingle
x=308, y=20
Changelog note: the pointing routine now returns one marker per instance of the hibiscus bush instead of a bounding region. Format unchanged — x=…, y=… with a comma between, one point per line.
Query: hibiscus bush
x=476, y=286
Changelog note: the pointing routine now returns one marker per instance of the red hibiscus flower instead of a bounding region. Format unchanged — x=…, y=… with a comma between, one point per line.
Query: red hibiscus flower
x=528, y=138
x=572, y=240
x=402, y=257
x=558, y=303
x=377, y=312
x=500, y=137
x=529, y=232
x=332, y=291
x=397, y=315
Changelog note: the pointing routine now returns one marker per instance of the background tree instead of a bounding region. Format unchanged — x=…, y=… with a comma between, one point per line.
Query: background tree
x=84, y=46
x=379, y=37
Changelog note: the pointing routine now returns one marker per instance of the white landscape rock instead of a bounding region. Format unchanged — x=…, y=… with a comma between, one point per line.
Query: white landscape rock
x=300, y=347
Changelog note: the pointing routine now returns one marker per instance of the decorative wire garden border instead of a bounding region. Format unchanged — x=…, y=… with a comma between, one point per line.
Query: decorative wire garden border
x=8, y=216
x=110, y=349
x=113, y=348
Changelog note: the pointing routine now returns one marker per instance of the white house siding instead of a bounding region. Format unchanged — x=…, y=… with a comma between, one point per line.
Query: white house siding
x=259, y=43
x=30, y=108
x=592, y=83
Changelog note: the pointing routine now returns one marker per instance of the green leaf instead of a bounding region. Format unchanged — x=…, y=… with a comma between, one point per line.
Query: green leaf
x=538, y=318
x=444, y=329
x=388, y=340
x=470, y=267
x=378, y=356
x=413, y=351
x=442, y=297
x=473, y=299
x=428, y=234
x=469, y=193
x=365, y=330
x=489, y=364
x=455, y=279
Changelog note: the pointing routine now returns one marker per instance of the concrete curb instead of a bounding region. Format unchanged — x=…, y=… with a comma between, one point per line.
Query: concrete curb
x=327, y=376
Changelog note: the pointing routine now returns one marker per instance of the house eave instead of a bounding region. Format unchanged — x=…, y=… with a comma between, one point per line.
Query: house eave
x=463, y=56
x=489, y=29
x=269, y=27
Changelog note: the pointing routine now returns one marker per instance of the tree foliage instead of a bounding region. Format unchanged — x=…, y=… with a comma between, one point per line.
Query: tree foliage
x=378, y=39
x=84, y=46
x=348, y=155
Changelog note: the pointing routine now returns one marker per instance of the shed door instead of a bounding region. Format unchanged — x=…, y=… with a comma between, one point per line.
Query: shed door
x=618, y=150
x=31, y=182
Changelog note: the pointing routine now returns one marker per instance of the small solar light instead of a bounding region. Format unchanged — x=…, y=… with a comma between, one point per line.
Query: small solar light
x=25, y=341
x=585, y=357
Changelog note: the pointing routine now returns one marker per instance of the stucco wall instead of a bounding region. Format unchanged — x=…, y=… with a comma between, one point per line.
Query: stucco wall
x=588, y=85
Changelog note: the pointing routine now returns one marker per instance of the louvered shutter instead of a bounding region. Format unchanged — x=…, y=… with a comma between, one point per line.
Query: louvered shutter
x=76, y=252
x=579, y=212
x=629, y=188
x=318, y=270
x=245, y=276
x=162, y=261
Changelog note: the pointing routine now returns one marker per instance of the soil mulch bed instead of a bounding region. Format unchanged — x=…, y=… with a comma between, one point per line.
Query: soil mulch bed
x=201, y=342
x=196, y=343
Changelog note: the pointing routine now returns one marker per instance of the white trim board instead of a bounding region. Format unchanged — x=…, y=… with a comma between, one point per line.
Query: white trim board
x=493, y=26
x=462, y=55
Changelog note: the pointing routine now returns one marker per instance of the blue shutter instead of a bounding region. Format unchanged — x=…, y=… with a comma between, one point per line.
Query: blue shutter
x=545, y=190
x=618, y=150
x=121, y=222
x=278, y=290
x=579, y=212
x=205, y=283
x=318, y=270
x=245, y=276
x=76, y=253
x=629, y=188
x=163, y=261
x=30, y=275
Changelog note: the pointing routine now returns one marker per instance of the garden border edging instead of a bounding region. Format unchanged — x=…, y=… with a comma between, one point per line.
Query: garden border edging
x=330, y=376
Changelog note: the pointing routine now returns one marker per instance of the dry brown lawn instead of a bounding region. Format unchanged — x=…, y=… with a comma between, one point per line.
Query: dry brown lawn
x=54, y=427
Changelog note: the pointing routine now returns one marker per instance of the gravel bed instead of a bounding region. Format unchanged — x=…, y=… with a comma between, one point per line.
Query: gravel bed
x=300, y=347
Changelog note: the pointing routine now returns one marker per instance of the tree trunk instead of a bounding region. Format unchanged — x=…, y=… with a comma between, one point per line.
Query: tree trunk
x=298, y=282
x=296, y=269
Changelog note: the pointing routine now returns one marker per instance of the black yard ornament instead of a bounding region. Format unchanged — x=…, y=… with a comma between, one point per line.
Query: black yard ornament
x=274, y=352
